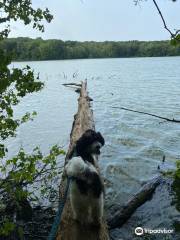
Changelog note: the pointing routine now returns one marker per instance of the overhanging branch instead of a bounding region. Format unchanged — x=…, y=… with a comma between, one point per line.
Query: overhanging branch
x=173, y=35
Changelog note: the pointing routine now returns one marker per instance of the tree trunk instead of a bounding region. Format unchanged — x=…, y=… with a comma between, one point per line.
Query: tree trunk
x=69, y=229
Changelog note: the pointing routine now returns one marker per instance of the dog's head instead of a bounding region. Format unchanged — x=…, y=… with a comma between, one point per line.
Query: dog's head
x=89, y=144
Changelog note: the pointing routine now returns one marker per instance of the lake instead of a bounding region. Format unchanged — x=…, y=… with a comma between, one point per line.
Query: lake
x=135, y=143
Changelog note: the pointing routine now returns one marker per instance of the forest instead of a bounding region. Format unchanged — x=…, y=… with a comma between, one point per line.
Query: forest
x=22, y=49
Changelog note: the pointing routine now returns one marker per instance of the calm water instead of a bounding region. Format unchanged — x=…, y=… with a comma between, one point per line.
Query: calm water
x=135, y=143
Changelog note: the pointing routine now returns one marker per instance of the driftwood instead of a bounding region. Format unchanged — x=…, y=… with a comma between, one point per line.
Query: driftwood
x=145, y=193
x=153, y=115
x=75, y=86
x=69, y=229
x=72, y=84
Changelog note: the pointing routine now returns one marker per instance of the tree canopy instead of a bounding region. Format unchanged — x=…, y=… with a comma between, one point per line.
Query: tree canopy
x=38, y=49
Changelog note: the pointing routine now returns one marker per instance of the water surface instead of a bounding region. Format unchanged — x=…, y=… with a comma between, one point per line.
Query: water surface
x=135, y=143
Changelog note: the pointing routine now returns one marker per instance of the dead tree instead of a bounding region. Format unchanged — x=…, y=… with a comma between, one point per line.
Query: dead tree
x=69, y=229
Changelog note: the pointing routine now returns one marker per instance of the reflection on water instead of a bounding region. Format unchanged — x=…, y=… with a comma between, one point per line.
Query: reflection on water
x=135, y=143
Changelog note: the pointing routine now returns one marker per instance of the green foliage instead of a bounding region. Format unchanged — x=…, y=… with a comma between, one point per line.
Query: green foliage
x=23, y=174
x=27, y=169
x=38, y=49
x=14, y=84
x=177, y=173
x=6, y=228
x=173, y=173
x=22, y=10
x=175, y=40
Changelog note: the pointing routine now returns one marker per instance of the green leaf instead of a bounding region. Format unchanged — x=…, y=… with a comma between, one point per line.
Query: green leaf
x=7, y=227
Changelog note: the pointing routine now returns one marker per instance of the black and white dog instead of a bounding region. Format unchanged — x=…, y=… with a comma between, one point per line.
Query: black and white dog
x=87, y=189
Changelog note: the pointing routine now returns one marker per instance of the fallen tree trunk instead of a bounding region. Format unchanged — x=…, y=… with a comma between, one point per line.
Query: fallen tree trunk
x=145, y=193
x=69, y=229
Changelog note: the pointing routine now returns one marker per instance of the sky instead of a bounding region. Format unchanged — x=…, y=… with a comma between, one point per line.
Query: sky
x=103, y=20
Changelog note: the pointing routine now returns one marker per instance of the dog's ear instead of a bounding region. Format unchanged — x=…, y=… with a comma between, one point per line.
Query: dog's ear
x=100, y=138
x=81, y=145
x=90, y=134
x=84, y=141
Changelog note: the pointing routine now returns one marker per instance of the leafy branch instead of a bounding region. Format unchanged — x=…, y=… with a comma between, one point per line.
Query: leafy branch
x=22, y=10
x=20, y=174
x=25, y=169
x=175, y=36
x=22, y=177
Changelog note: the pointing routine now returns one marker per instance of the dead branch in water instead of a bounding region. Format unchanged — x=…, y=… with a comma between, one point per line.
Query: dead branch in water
x=75, y=86
x=72, y=84
x=122, y=215
x=153, y=115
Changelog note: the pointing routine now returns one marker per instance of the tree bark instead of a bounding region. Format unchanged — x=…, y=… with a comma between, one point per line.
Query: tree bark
x=69, y=229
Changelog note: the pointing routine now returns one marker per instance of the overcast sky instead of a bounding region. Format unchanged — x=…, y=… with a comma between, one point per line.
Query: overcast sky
x=101, y=20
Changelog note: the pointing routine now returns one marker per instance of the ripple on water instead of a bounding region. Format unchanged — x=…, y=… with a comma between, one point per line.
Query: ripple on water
x=129, y=142
x=152, y=151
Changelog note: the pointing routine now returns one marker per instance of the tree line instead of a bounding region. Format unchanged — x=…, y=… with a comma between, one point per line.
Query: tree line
x=38, y=49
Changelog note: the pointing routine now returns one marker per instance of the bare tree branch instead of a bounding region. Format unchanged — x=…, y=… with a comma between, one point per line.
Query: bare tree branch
x=153, y=115
x=173, y=35
x=72, y=84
